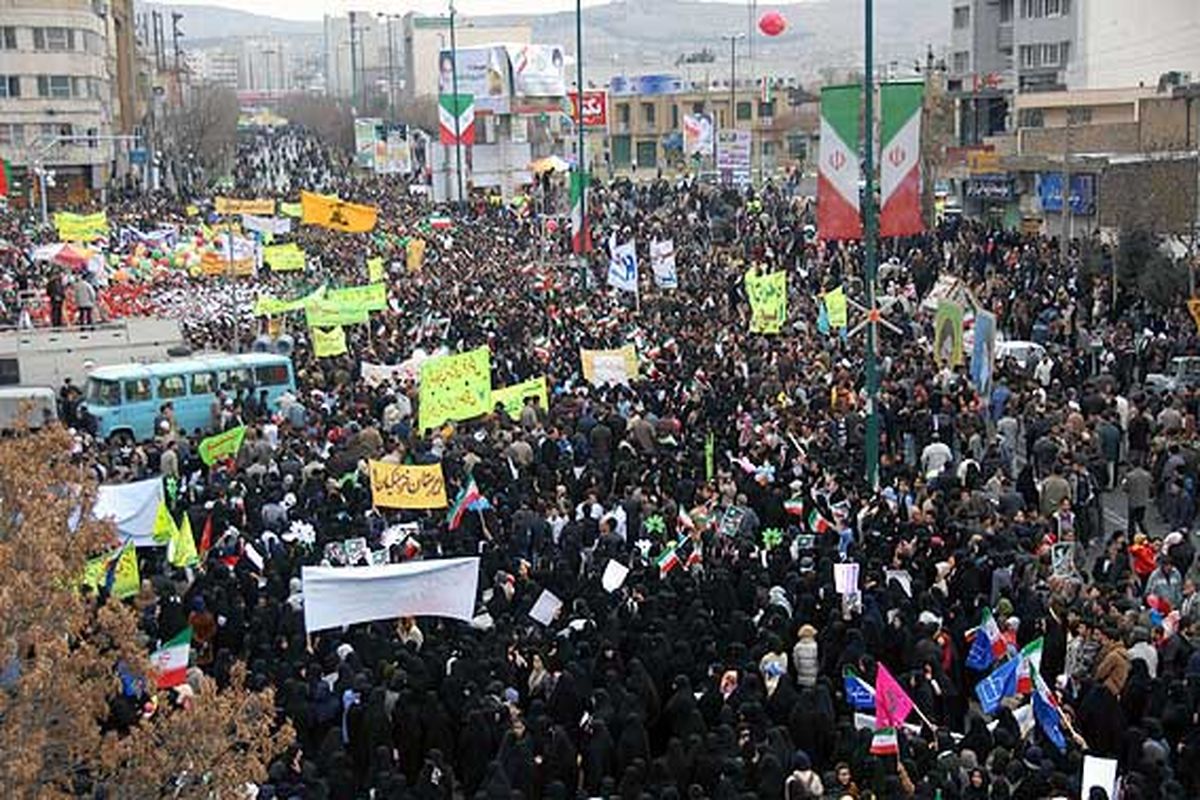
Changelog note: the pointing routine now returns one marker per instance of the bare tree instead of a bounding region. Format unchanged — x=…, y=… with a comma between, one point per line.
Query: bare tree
x=59, y=652
x=200, y=134
x=330, y=119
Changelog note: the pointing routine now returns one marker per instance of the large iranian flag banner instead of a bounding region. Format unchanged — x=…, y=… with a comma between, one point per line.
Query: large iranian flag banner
x=461, y=106
x=900, y=159
x=837, y=178
x=581, y=236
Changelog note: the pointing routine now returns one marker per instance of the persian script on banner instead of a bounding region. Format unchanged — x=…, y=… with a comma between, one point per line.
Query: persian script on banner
x=455, y=387
x=407, y=485
x=232, y=205
x=609, y=366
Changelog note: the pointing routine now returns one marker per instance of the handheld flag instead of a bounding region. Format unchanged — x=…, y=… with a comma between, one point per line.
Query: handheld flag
x=892, y=705
x=988, y=645
x=859, y=693
x=171, y=660
x=818, y=523
x=468, y=496
x=181, y=550
x=668, y=559
x=1001, y=683
x=164, y=525
x=1031, y=659
x=885, y=742
x=1045, y=710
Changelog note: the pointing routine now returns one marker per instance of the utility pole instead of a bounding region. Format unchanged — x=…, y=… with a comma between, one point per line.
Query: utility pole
x=353, y=64
x=733, y=40
x=457, y=109
x=870, y=226
x=176, y=35
x=1066, y=184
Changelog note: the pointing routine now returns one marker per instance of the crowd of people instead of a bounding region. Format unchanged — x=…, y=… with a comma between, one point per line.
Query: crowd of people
x=723, y=676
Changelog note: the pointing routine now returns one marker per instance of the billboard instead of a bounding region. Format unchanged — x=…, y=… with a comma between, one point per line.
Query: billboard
x=392, y=153
x=483, y=72
x=697, y=134
x=646, y=84
x=595, y=108
x=539, y=70
x=366, y=130
x=733, y=157
x=1083, y=192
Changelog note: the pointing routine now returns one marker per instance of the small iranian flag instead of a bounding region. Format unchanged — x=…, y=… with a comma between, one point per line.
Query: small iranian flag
x=467, y=496
x=439, y=222
x=581, y=238
x=171, y=660
x=1031, y=656
x=885, y=743
x=818, y=523
x=456, y=118
x=794, y=506
x=668, y=559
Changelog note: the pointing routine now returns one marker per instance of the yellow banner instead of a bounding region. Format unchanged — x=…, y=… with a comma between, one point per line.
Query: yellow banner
x=609, y=366
x=284, y=257
x=335, y=214
x=407, y=485
x=835, y=307
x=375, y=272
x=513, y=397
x=414, y=254
x=126, y=580
x=372, y=297
x=268, y=305
x=321, y=313
x=80, y=227
x=455, y=387
x=330, y=343
x=212, y=264
x=294, y=210
x=768, y=301
x=233, y=205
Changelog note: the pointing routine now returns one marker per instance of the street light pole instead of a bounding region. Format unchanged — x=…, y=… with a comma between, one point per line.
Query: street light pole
x=581, y=156
x=733, y=40
x=457, y=110
x=870, y=227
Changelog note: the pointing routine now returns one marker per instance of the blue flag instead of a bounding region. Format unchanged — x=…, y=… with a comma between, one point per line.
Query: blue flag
x=859, y=693
x=980, y=657
x=1047, y=719
x=822, y=318
x=1001, y=683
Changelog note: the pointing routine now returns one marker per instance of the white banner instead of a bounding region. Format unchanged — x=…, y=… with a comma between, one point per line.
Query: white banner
x=622, y=265
x=273, y=225
x=337, y=596
x=132, y=507
x=662, y=262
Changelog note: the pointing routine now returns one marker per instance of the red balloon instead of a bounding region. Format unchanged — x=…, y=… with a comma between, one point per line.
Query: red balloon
x=772, y=23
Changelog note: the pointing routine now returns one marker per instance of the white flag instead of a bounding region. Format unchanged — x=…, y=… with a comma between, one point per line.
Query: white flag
x=662, y=262
x=622, y=265
x=336, y=596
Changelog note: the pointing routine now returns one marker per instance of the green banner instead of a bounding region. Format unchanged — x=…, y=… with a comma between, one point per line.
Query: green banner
x=372, y=297
x=222, y=445
x=768, y=301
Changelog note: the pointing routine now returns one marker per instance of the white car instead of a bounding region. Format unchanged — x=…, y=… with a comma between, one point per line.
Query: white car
x=1026, y=354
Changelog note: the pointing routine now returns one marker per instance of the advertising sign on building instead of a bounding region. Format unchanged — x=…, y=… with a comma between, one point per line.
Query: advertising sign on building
x=539, y=70
x=697, y=135
x=733, y=157
x=595, y=108
x=1082, y=196
x=483, y=72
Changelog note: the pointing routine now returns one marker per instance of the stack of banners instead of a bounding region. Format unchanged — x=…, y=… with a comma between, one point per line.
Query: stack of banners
x=284, y=257
x=455, y=387
x=581, y=236
x=900, y=159
x=768, y=300
x=293, y=210
x=948, y=334
x=171, y=660
x=616, y=367
x=132, y=508
x=838, y=171
x=456, y=118
x=414, y=254
x=337, y=596
x=117, y=572
x=276, y=226
x=513, y=397
x=836, y=310
x=983, y=353
x=662, y=264
x=407, y=485
x=221, y=446
x=328, y=343
x=335, y=214
x=375, y=270
x=232, y=205
x=622, y=265
x=80, y=227
x=269, y=306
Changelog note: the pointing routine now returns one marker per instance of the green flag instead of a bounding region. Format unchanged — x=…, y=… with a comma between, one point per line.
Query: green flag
x=222, y=445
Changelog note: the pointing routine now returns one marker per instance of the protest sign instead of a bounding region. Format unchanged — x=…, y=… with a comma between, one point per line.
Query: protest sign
x=768, y=301
x=614, y=576
x=662, y=264
x=845, y=578
x=455, y=387
x=731, y=521
x=274, y=226
x=221, y=446
x=284, y=257
x=335, y=214
x=126, y=580
x=375, y=269
x=414, y=254
x=835, y=307
x=546, y=607
x=294, y=210
x=1099, y=772
x=132, y=507
x=328, y=343
x=320, y=313
x=376, y=374
x=337, y=596
x=80, y=227
x=407, y=485
x=513, y=397
x=1062, y=559
x=609, y=366
x=233, y=205
x=269, y=306
x=948, y=334
x=622, y=265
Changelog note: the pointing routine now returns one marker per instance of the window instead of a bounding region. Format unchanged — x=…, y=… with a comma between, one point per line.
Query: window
x=648, y=113
x=745, y=111
x=171, y=386
x=797, y=146
x=53, y=39
x=10, y=86
x=1031, y=56
x=961, y=62
x=49, y=130
x=623, y=113
x=1056, y=8
x=202, y=383
x=768, y=149
x=234, y=379
x=56, y=86
x=274, y=375
x=12, y=135
x=103, y=393
x=766, y=110
x=1064, y=53
x=1006, y=11
x=698, y=108
x=962, y=17
x=8, y=38
x=1031, y=118
x=1079, y=116
x=138, y=390
x=674, y=117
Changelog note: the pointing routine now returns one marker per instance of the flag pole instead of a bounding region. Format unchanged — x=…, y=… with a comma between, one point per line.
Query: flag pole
x=870, y=226
x=457, y=110
x=580, y=160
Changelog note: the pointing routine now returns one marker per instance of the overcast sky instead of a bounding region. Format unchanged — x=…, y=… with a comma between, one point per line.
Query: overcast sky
x=315, y=9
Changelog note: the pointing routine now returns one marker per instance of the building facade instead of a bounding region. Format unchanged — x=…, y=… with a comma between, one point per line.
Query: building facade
x=424, y=38
x=362, y=56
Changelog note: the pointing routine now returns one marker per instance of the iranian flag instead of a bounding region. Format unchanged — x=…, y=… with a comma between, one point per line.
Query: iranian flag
x=668, y=559
x=5, y=177
x=581, y=236
x=467, y=496
x=1031, y=661
x=817, y=523
x=171, y=660
x=885, y=742
x=900, y=159
x=795, y=506
x=462, y=108
x=837, y=179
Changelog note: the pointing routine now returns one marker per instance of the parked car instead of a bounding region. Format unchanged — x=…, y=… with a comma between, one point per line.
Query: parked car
x=1183, y=372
